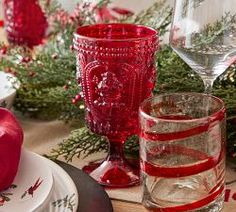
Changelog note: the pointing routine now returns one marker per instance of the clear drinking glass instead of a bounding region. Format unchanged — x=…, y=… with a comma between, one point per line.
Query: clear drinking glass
x=116, y=69
x=203, y=34
x=182, y=152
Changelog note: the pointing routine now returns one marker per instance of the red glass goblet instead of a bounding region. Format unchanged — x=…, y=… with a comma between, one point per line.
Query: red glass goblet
x=116, y=69
x=24, y=21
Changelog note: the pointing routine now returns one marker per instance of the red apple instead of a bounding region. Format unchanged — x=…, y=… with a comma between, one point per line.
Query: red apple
x=11, y=138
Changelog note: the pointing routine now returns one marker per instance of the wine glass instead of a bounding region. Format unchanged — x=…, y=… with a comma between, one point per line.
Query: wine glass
x=116, y=69
x=203, y=34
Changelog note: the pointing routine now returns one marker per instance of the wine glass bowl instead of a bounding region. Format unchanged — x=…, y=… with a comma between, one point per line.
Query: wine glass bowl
x=116, y=70
x=203, y=34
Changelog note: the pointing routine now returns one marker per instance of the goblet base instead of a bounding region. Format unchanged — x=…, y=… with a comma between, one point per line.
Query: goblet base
x=114, y=173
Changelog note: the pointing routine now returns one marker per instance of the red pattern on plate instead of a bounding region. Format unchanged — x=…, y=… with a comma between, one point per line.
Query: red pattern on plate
x=30, y=191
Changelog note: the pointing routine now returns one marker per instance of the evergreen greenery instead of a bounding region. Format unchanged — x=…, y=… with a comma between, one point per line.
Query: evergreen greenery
x=47, y=75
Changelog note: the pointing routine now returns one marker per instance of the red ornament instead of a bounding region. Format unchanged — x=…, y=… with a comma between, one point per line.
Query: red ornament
x=11, y=137
x=25, y=22
x=122, y=11
x=103, y=14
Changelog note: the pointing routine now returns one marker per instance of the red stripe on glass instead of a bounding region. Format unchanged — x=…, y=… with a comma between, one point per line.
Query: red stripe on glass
x=152, y=136
x=194, y=205
x=204, y=164
x=172, y=172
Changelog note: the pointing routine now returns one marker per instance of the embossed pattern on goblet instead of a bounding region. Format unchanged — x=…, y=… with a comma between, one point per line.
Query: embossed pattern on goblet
x=117, y=72
x=115, y=79
x=25, y=22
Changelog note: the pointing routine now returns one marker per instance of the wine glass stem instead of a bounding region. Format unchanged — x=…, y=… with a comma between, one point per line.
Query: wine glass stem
x=208, y=84
x=116, y=150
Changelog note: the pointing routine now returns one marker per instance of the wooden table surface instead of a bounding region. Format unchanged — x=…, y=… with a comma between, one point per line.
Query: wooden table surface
x=122, y=206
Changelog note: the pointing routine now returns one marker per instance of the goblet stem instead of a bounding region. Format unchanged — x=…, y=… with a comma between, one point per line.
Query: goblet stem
x=115, y=171
x=208, y=84
x=116, y=151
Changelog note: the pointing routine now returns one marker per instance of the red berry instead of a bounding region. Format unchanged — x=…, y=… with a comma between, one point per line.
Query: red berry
x=54, y=56
x=71, y=19
x=26, y=59
x=8, y=70
x=2, y=200
x=3, y=50
x=79, y=80
x=78, y=97
x=71, y=47
x=65, y=87
x=73, y=101
x=32, y=74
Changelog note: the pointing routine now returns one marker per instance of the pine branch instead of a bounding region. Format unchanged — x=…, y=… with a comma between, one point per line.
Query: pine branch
x=158, y=16
x=49, y=7
x=213, y=33
x=44, y=78
x=80, y=143
x=102, y=3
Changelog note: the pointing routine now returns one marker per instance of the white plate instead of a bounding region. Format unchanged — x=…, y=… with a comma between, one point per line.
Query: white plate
x=8, y=87
x=56, y=193
x=65, y=196
x=32, y=185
